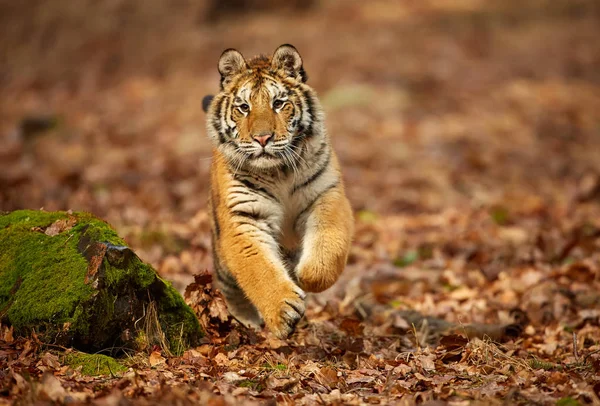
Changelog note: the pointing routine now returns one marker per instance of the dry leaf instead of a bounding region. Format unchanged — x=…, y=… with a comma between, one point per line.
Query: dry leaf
x=328, y=377
x=156, y=359
x=60, y=225
x=50, y=388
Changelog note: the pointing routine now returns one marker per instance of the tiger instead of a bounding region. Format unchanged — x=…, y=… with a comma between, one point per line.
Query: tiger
x=281, y=223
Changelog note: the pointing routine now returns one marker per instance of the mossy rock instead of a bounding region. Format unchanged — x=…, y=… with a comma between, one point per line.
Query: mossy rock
x=69, y=278
x=94, y=364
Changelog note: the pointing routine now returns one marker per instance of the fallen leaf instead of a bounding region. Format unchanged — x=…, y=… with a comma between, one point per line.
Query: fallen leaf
x=60, y=225
x=351, y=326
x=328, y=377
x=156, y=358
x=50, y=388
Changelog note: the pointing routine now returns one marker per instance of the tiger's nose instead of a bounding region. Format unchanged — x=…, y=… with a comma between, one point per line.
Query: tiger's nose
x=263, y=138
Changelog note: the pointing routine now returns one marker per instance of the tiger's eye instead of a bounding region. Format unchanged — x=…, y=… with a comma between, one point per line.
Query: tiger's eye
x=244, y=107
x=277, y=104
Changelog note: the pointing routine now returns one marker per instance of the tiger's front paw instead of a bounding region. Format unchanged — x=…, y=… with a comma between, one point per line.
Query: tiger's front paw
x=315, y=278
x=285, y=311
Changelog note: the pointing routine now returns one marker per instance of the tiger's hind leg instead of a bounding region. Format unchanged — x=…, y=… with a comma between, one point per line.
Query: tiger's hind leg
x=237, y=303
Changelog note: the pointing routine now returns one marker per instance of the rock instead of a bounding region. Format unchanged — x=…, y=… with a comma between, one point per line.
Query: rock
x=69, y=278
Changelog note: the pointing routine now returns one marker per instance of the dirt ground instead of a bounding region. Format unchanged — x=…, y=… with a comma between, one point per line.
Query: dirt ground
x=469, y=135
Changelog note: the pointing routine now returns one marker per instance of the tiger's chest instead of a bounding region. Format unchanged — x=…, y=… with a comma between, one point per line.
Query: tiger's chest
x=278, y=207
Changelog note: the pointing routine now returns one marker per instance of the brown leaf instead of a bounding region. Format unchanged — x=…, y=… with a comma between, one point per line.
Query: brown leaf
x=8, y=335
x=50, y=360
x=21, y=383
x=209, y=306
x=453, y=341
x=156, y=359
x=581, y=272
x=327, y=376
x=359, y=379
x=427, y=361
x=218, y=309
x=454, y=345
x=60, y=225
x=51, y=389
x=351, y=326
x=280, y=384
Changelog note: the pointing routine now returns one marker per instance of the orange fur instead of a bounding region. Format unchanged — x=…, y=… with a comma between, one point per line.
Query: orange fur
x=281, y=222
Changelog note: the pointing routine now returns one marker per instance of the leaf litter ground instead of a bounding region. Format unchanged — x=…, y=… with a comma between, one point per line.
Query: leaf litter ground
x=469, y=137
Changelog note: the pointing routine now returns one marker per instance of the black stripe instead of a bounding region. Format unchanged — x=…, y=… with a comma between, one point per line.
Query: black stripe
x=233, y=206
x=245, y=223
x=257, y=177
x=226, y=279
x=253, y=216
x=321, y=150
x=227, y=112
x=312, y=203
x=216, y=121
x=298, y=138
x=314, y=177
x=303, y=74
x=240, y=192
x=214, y=252
x=256, y=188
x=217, y=227
x=249, y=250
x=241, y=222
x=245, y=174
x=311, y=110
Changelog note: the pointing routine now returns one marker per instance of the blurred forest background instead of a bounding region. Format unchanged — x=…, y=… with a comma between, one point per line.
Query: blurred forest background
x=468, y=132
x=431, y=104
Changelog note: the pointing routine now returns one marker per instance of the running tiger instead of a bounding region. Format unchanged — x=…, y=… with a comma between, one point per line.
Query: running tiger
x=281, y=223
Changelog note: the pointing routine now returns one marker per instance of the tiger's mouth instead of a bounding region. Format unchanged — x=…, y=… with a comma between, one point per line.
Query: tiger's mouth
x=263, y=159
x=263, y=153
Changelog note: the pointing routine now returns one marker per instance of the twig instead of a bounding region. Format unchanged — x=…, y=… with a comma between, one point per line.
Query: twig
x=575, y=346
x=588, y=355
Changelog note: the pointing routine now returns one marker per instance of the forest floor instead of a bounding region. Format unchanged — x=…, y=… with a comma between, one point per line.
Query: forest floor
x=469, y=136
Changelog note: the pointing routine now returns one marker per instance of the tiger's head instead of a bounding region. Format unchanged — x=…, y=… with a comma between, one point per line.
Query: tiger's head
x=264, y=110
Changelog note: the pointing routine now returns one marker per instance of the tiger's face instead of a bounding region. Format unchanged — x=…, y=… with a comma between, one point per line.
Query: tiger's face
x=263, y=111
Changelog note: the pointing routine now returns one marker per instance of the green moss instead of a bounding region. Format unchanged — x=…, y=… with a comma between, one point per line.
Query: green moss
x=35, y=266
x=94, y=364
x=367, y=216
x=249, y=383
x=500, y=215
x=137, y=272
x=45, y=286
x=178, y=320
x=31, y=218
x=279, y=367
x=547, y=366
x=31, y=261
x=98, y=230
x=408, y=258
x=568, y=401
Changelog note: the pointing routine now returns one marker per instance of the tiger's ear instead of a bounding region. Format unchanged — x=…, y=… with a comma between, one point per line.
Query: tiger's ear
x=206, y=102
x=231, y=63
x=287, y=58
